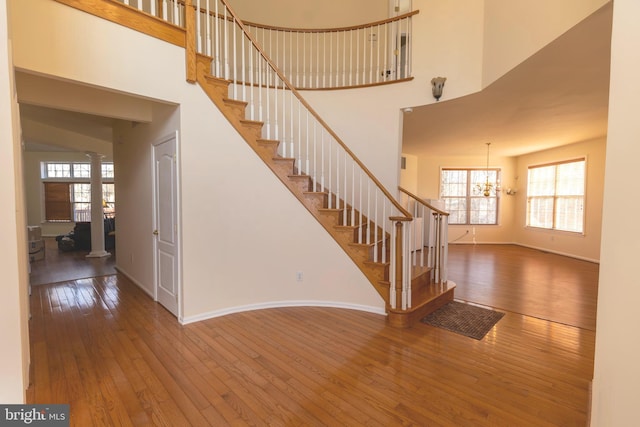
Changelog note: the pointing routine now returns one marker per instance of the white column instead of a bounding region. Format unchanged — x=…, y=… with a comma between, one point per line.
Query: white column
x=97, y=213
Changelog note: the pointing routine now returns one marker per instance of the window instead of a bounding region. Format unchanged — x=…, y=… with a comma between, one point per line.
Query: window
x=67, y=191
x=555, y=196
x=462, y=193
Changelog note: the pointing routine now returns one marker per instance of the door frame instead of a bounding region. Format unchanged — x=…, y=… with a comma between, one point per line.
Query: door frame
x=175, y=135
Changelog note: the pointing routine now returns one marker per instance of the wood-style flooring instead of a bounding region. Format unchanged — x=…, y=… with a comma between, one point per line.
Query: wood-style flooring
x=103, y=346
x=59, y=266
x=526, y=281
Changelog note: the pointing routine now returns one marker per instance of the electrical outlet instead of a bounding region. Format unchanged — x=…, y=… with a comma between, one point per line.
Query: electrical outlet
x=299, y=276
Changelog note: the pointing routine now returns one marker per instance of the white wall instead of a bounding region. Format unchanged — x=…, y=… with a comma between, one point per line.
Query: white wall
x=34, y=190
x=530, y=26
x=14, y=334
x=307, y=14
x=409, y=175
x=244, y=235
x=134, y=199
x=587, y=245
x=452, y=33
x=617, y=372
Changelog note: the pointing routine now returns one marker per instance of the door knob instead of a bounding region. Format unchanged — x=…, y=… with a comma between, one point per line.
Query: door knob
x=155, y=232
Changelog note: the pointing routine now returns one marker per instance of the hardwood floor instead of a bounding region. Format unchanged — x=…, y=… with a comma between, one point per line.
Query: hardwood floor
x=118, y=358
x=526, y=281
x=59, y=266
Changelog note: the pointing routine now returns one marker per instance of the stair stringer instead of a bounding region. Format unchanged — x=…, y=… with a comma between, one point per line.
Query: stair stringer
x=300, y=185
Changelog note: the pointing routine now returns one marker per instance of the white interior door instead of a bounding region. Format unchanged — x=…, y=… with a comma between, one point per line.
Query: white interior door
x=166, y=259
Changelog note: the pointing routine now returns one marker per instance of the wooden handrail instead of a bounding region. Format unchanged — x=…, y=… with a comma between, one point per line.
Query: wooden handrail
x=422, y=202
x=285, y=80
x=333, y=30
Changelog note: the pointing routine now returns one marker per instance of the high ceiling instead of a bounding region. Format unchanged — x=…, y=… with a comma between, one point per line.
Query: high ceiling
x=556, y=97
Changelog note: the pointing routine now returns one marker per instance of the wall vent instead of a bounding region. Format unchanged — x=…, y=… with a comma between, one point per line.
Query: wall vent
x=403, y=162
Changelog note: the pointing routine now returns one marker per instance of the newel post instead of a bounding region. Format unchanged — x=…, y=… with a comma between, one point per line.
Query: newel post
x=399, y=265
x=190, y=25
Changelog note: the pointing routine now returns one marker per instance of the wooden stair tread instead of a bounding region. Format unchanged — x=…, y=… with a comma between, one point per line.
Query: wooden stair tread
x=235, y=102
x=422, y=303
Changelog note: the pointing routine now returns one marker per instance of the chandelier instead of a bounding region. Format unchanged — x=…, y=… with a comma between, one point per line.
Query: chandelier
x=487, y=187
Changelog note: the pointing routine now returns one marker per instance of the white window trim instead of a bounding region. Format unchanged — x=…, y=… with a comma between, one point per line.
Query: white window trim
x=584, y=210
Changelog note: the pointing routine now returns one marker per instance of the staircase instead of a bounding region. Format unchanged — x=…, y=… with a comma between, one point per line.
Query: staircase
x=426, y=295
x=405, y=266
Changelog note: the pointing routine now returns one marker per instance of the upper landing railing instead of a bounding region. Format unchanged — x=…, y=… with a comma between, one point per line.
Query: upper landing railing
x=362, y=55
x=369, y=54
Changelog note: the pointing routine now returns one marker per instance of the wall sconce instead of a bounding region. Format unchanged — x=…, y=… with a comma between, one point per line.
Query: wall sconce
x=437, y=84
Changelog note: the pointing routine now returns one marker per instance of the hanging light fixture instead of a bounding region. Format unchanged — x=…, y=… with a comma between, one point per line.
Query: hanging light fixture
x=487, y=187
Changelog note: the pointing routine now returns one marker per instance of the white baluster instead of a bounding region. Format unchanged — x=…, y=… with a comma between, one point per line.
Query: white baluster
x=324, y=60
x=346, y=192
x=268, y=104
x=244, y=67
x=337, y=177
x=387, y=52
x=275, y=105
x=350, y=58
x=330, y=169
x=306, y=163
x=199, y=34
x=376, y=221
x=284, y=120
x=322, y=159
x=216, y=30
x=353, y=192
x=406, y=276
x=392, y=269
x=344, y=58
x=357, y=70
x=317, y=65
x=260, y=88
x=315, y=156
x=408, y=48
x=331, y=61
x=226, y=46
x=378, y=55
x=371, y=42
x=291, y=117
x=298, y=59
x=208, y=28
x=235, y=59
x=304, y=59
x=299, y=162
x=251, y=84
x=360, y=195
x=398, y=37
x=368, y=211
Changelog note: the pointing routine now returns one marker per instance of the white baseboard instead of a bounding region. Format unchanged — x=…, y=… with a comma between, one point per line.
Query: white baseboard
x=595, y=261
x=280, y=304
x=135, y=282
